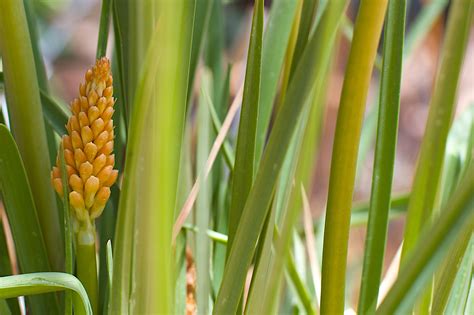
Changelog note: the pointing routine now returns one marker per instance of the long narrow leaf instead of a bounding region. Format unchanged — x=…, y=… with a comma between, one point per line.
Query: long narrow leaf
x=384, y=156
x=20, y=208
x=203, y=201
x=26, y=119
x=245, y=158
x=45, y=282
x=103, y=29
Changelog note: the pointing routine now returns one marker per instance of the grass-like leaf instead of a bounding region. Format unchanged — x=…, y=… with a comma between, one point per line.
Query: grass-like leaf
x=386, y=143
x=245, y=158
x=204, y=199
x=119, y=56
x=26, y=119
x=20, y=208
x=103, y=29
x=46, y=282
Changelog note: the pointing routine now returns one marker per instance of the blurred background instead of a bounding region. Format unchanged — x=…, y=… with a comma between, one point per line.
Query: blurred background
x=68, y=31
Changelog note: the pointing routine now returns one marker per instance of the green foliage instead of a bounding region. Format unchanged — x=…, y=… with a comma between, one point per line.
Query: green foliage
x=20, y=207
x=242, y=249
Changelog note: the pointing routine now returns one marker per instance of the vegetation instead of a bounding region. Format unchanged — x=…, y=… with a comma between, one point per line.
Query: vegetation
x=162, y=208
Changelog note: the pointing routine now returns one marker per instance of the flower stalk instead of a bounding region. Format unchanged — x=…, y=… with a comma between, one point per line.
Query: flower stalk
x=89, y=165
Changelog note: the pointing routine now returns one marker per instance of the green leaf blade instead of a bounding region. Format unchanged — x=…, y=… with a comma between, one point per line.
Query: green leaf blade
x=20, y=208
x=384, y=156
x=245, y=156
x=45, y=282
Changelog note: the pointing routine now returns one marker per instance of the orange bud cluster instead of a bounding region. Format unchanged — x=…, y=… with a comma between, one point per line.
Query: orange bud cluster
x=89, y=144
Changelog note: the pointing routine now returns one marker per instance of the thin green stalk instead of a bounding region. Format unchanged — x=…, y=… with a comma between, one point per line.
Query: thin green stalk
x=26, y=118
x=213, y=235
x=344, y=157
x=384, y=156
x=442, y=106
x=348, y=31
x=103, y=29
x=203, y=201
x=86, y=264
x=299, y=285
x=229, y=154
x=456, y=219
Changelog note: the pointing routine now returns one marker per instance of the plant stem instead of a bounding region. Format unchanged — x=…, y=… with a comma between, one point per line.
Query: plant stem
x=384, y=156
x=86, y=264
x=344, y=157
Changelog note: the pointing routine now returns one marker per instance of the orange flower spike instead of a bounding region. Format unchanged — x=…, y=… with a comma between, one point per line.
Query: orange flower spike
x=89, y=145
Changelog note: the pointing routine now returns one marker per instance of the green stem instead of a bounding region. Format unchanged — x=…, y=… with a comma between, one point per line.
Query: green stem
x=384, y=156
x=26, y=118
x=346, y=142
x=86, y=264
